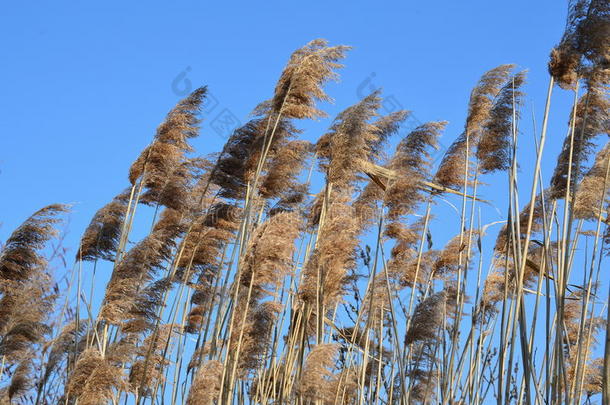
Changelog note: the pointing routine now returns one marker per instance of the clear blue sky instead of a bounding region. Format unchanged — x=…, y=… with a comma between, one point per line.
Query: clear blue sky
x=84, y=86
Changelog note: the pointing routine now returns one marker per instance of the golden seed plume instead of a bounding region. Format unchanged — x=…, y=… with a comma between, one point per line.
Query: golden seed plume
x=452, y=168
x=86, y=364
x=300, y=84
x=22, y=379
x=315, y=383
x=348, y=141
x=574, y=342
x=591, y=200
x=411, y=163
x=139, y=265
x=447, y=261
x=427, y=319
x=181, y=122
x=26, y=289
x=504, y=241
x=585, y=42
x=404, y=264
x=101, y=238
x=202, y=247
x=266, y=145
x=67, y=344
x=19, y=258
x=284, y=167
x=502, y=281
x=162, y=167
x=147, y=370
x=178, y=191
x=256, y=332
x=493, y=149
x=589, y=121
x=268, y=260
x=268, y=257
x=482, y=98
x=205, y=388
x=230, y=170
x=422, y=372
x=94, y=379
x=334, y=256
x=354, y=140
x=366, y=204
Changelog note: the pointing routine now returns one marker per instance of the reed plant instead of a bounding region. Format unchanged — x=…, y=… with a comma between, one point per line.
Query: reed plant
x=282, y=271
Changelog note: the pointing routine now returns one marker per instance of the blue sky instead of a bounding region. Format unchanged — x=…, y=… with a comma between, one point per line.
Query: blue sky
x=84, y=85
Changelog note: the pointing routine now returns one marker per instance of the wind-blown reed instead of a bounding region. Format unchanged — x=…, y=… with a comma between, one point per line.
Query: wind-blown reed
x=281, y=270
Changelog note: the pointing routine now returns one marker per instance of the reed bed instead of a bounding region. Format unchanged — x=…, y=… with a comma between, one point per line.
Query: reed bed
x=283, y=271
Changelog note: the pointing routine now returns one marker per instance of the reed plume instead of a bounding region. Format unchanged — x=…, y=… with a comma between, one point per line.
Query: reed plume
x=268, y=258
x=314, y=210
x=284, y=167
x=366, y=205
x=260, y=318
x=386, y=127
x=347, y=144
x=423, y=374
x=21, y=380
x=299, y=87
x=334, y=255
x=230, y=170
x=315, y=383
x=588, y=122
x=504, y=238
x=201, y=254
x=266, y=147
x=493, y=151
x=66, y=346
x=455, y=162
x=448, y=261
x=179, y=191
x=86, y=364
x=94, y=379
x=590, y=200
x=565, y=58
x=19, y=258
x=209, y=232
x=25, y=311
x=101, y=238
x=427, y=319
x=149, y=364
x=206, y=386
x=300, y=84
x=411, y=163
x=501, y=283
x=593, y=379
x=142, y=314
x=27, y=295
x=164, y=158
x=584, y=42
x=138, y=266
x=404, y=265
x=580, y=339
x=353, y=140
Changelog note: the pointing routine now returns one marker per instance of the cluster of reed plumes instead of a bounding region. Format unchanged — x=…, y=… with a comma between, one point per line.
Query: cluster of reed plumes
x=281, y=271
